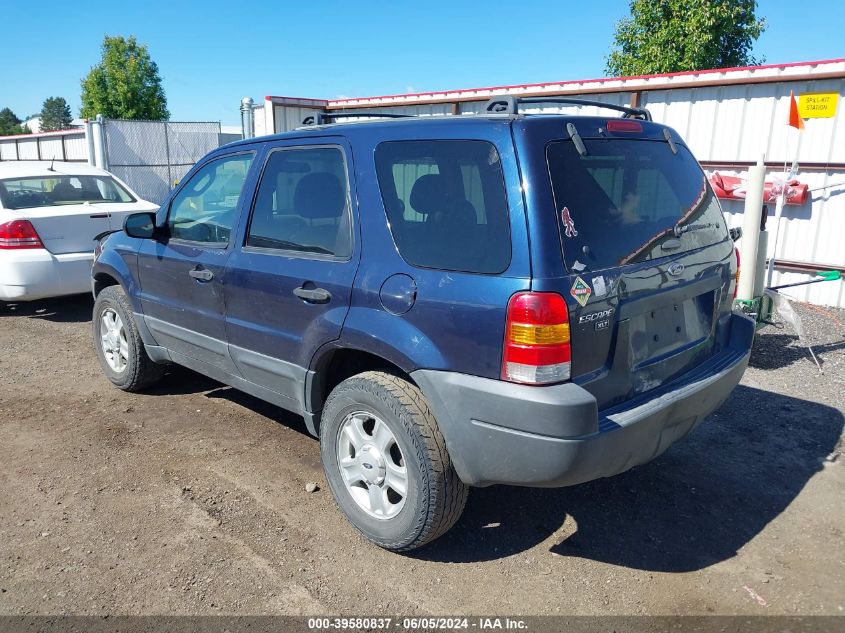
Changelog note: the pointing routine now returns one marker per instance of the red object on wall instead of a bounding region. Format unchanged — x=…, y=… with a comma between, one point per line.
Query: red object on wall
x=733, y=188
x=795, y=119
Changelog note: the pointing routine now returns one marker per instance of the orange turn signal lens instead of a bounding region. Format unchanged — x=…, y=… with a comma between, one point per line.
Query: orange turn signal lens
x=527, y=334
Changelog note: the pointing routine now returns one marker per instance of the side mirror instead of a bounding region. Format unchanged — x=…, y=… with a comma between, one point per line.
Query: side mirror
x=735, y=233
x=142, y=225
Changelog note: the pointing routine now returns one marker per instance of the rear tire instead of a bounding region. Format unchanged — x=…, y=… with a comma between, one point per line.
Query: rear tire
x=374, y=411
x=119, y=347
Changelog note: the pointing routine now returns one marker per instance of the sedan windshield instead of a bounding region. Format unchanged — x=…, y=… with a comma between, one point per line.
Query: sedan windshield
x=48, y=191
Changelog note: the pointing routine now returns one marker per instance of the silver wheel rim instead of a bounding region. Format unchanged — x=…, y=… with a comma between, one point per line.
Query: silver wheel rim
x=371, y=465
x=113, y=340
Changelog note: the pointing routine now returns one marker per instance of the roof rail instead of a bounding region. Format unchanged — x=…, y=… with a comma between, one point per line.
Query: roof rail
x=509, y=104
x=326, y=117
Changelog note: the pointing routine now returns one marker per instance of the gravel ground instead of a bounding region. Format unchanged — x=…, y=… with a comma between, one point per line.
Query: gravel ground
x=190, y=499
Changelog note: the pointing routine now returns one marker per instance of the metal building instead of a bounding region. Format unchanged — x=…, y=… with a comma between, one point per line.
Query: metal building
x=729, y=117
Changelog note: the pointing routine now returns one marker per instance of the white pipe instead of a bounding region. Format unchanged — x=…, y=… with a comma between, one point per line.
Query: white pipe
x=760, y=268
x=89, y=139
x=100, y=156
x=247, y=117
x=751, y=229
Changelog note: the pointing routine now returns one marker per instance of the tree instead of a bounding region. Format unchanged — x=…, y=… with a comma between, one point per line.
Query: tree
x=125, y=84
x=10, y=123
x=665, y=36
x=55, y=114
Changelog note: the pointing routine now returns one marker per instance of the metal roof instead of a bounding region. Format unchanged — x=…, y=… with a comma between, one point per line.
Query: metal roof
x=794, y=71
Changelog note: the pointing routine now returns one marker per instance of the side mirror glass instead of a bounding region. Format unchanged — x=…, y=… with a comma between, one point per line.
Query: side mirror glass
x=142, y=225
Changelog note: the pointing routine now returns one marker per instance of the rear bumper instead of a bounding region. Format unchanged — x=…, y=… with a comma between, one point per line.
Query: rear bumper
x=498, y=432
x=29, y=274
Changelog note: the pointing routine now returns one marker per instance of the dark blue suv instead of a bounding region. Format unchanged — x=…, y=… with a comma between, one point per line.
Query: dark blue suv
x=538, y=300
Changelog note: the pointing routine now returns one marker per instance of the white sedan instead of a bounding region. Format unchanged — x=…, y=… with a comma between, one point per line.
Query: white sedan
x=49, y=216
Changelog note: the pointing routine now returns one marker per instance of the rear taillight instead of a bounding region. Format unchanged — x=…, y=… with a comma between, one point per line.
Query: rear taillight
x=736, y=276
x=19, y=234
x=537, y=348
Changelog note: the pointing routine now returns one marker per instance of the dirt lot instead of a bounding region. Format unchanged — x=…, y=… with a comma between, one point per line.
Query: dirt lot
x=190, y=499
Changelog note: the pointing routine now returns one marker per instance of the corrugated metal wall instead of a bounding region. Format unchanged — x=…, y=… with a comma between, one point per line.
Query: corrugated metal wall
x=290, y=117
x=734, y=124
x=64, y=146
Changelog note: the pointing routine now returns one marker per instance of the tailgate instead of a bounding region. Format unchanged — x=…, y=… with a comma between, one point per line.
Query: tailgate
x=642, y=333
x=647, y=256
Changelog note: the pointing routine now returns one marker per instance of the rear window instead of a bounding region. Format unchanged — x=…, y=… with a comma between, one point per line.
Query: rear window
x=22, y=193
x=446, y=204
x=627, y=201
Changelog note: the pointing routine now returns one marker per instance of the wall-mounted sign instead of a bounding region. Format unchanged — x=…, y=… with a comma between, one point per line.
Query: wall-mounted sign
x=818, y=105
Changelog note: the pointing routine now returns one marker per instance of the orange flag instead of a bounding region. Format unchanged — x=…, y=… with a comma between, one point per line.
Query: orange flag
x=795, y=119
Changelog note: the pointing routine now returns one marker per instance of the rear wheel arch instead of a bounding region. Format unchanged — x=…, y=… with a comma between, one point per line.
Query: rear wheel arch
x=336, y=364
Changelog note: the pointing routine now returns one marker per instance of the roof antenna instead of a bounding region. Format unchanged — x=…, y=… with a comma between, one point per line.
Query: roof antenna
x=52, y=160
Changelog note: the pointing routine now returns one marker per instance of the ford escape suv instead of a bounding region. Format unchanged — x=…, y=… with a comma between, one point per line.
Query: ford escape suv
x=538, y=300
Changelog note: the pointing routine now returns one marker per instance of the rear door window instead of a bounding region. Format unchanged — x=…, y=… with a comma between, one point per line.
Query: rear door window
x=446, y=204
x=627, y=201
x=303, y=203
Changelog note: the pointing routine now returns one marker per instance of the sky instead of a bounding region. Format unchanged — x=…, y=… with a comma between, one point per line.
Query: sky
x=212, y=53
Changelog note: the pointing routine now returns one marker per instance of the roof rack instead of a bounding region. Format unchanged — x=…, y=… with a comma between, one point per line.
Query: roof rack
x=326, y=117
x=509, y=104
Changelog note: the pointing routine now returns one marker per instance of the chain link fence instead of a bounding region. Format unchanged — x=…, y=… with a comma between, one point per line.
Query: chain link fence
x=151, y=156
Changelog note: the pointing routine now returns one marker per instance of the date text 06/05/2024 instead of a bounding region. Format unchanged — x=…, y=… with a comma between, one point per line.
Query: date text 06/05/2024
x=417, y=623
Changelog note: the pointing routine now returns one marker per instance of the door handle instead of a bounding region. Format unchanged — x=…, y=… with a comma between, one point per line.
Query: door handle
x=313, y=295
x=201, y=274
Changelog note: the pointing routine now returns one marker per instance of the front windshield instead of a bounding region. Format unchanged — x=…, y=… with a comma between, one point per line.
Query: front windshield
x=48, y=191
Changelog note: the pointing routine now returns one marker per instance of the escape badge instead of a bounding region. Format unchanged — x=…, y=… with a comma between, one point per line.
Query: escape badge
x=581, y=291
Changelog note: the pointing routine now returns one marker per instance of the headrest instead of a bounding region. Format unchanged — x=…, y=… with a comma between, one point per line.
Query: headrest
x=65, y=189
x=429, y=194
x=319, y=195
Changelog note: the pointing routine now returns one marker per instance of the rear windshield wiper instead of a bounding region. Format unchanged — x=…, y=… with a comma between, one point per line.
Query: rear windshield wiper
x=680, y=230
x=576, y=138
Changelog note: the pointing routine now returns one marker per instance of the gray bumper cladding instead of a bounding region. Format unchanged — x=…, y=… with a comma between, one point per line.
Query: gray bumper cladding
x=499, y=432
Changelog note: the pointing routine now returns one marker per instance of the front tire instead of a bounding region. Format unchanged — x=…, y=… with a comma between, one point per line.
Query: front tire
x=386, y=462
x=118, y=344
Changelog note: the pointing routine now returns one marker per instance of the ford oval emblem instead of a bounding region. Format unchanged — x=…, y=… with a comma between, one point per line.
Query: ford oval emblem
x=675, y=269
